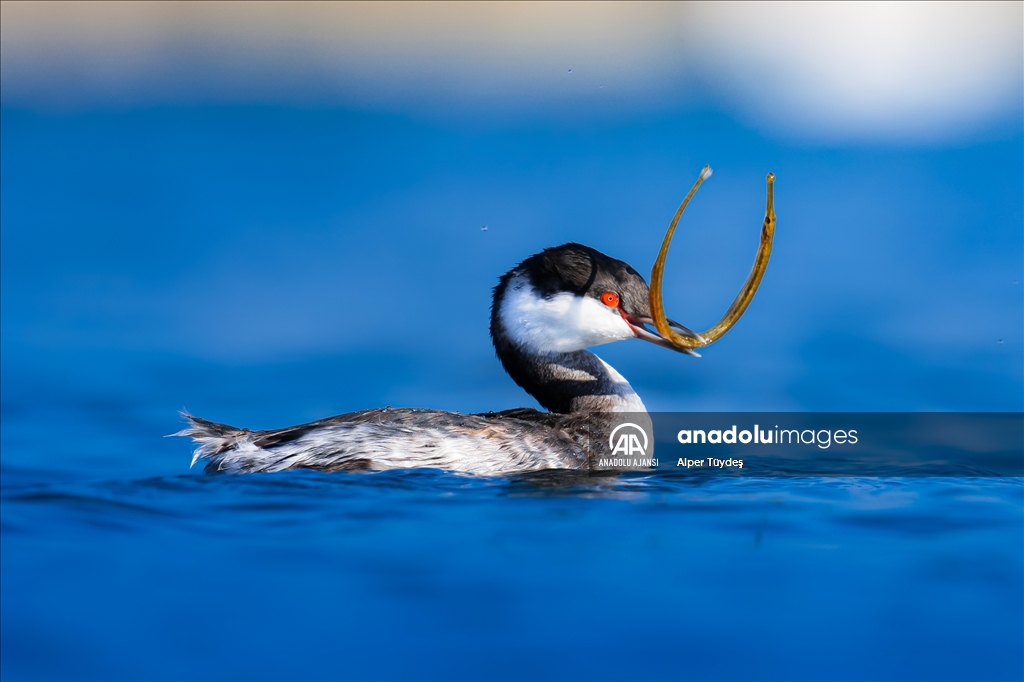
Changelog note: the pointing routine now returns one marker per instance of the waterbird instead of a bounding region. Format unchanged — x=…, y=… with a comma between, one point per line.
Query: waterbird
x=546, y=312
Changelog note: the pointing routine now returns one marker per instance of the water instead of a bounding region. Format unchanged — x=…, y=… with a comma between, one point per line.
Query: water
x=265, y=266
x=422, y=574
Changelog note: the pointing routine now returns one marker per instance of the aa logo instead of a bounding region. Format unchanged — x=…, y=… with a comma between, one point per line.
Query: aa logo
x=626, y=440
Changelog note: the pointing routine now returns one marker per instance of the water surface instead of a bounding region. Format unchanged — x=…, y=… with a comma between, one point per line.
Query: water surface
x=423, y=574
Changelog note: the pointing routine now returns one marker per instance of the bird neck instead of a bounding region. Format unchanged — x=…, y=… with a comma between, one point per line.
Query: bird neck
x=568, y=383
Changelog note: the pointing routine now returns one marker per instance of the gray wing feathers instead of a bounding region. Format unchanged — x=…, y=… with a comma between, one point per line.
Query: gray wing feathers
x=485, y=444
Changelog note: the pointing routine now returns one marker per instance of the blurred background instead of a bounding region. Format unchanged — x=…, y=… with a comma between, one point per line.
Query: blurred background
x=267, y=213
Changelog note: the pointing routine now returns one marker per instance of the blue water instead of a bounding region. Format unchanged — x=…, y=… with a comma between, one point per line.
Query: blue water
x=431, y=575
x=265, y=266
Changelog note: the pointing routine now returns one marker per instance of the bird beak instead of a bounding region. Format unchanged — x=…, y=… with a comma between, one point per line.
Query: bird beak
x=639, y=327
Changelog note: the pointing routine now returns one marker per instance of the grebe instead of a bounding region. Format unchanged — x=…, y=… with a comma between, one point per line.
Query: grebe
x=546, y=312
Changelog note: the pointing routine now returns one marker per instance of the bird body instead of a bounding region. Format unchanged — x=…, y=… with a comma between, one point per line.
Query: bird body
x=546, y=312
x=494, y=443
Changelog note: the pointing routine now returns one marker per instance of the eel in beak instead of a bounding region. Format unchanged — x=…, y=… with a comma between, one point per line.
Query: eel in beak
x=669, y=330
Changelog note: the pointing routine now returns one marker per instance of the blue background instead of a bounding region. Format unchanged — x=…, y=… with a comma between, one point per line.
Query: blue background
x=264, y=265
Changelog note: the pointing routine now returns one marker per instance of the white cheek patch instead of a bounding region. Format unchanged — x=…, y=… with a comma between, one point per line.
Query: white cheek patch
x=562, y=323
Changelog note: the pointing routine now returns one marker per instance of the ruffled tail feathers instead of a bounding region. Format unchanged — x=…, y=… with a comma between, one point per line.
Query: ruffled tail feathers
x=213, y=438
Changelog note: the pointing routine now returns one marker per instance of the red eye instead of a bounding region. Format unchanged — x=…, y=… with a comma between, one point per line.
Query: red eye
x=610, y=299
